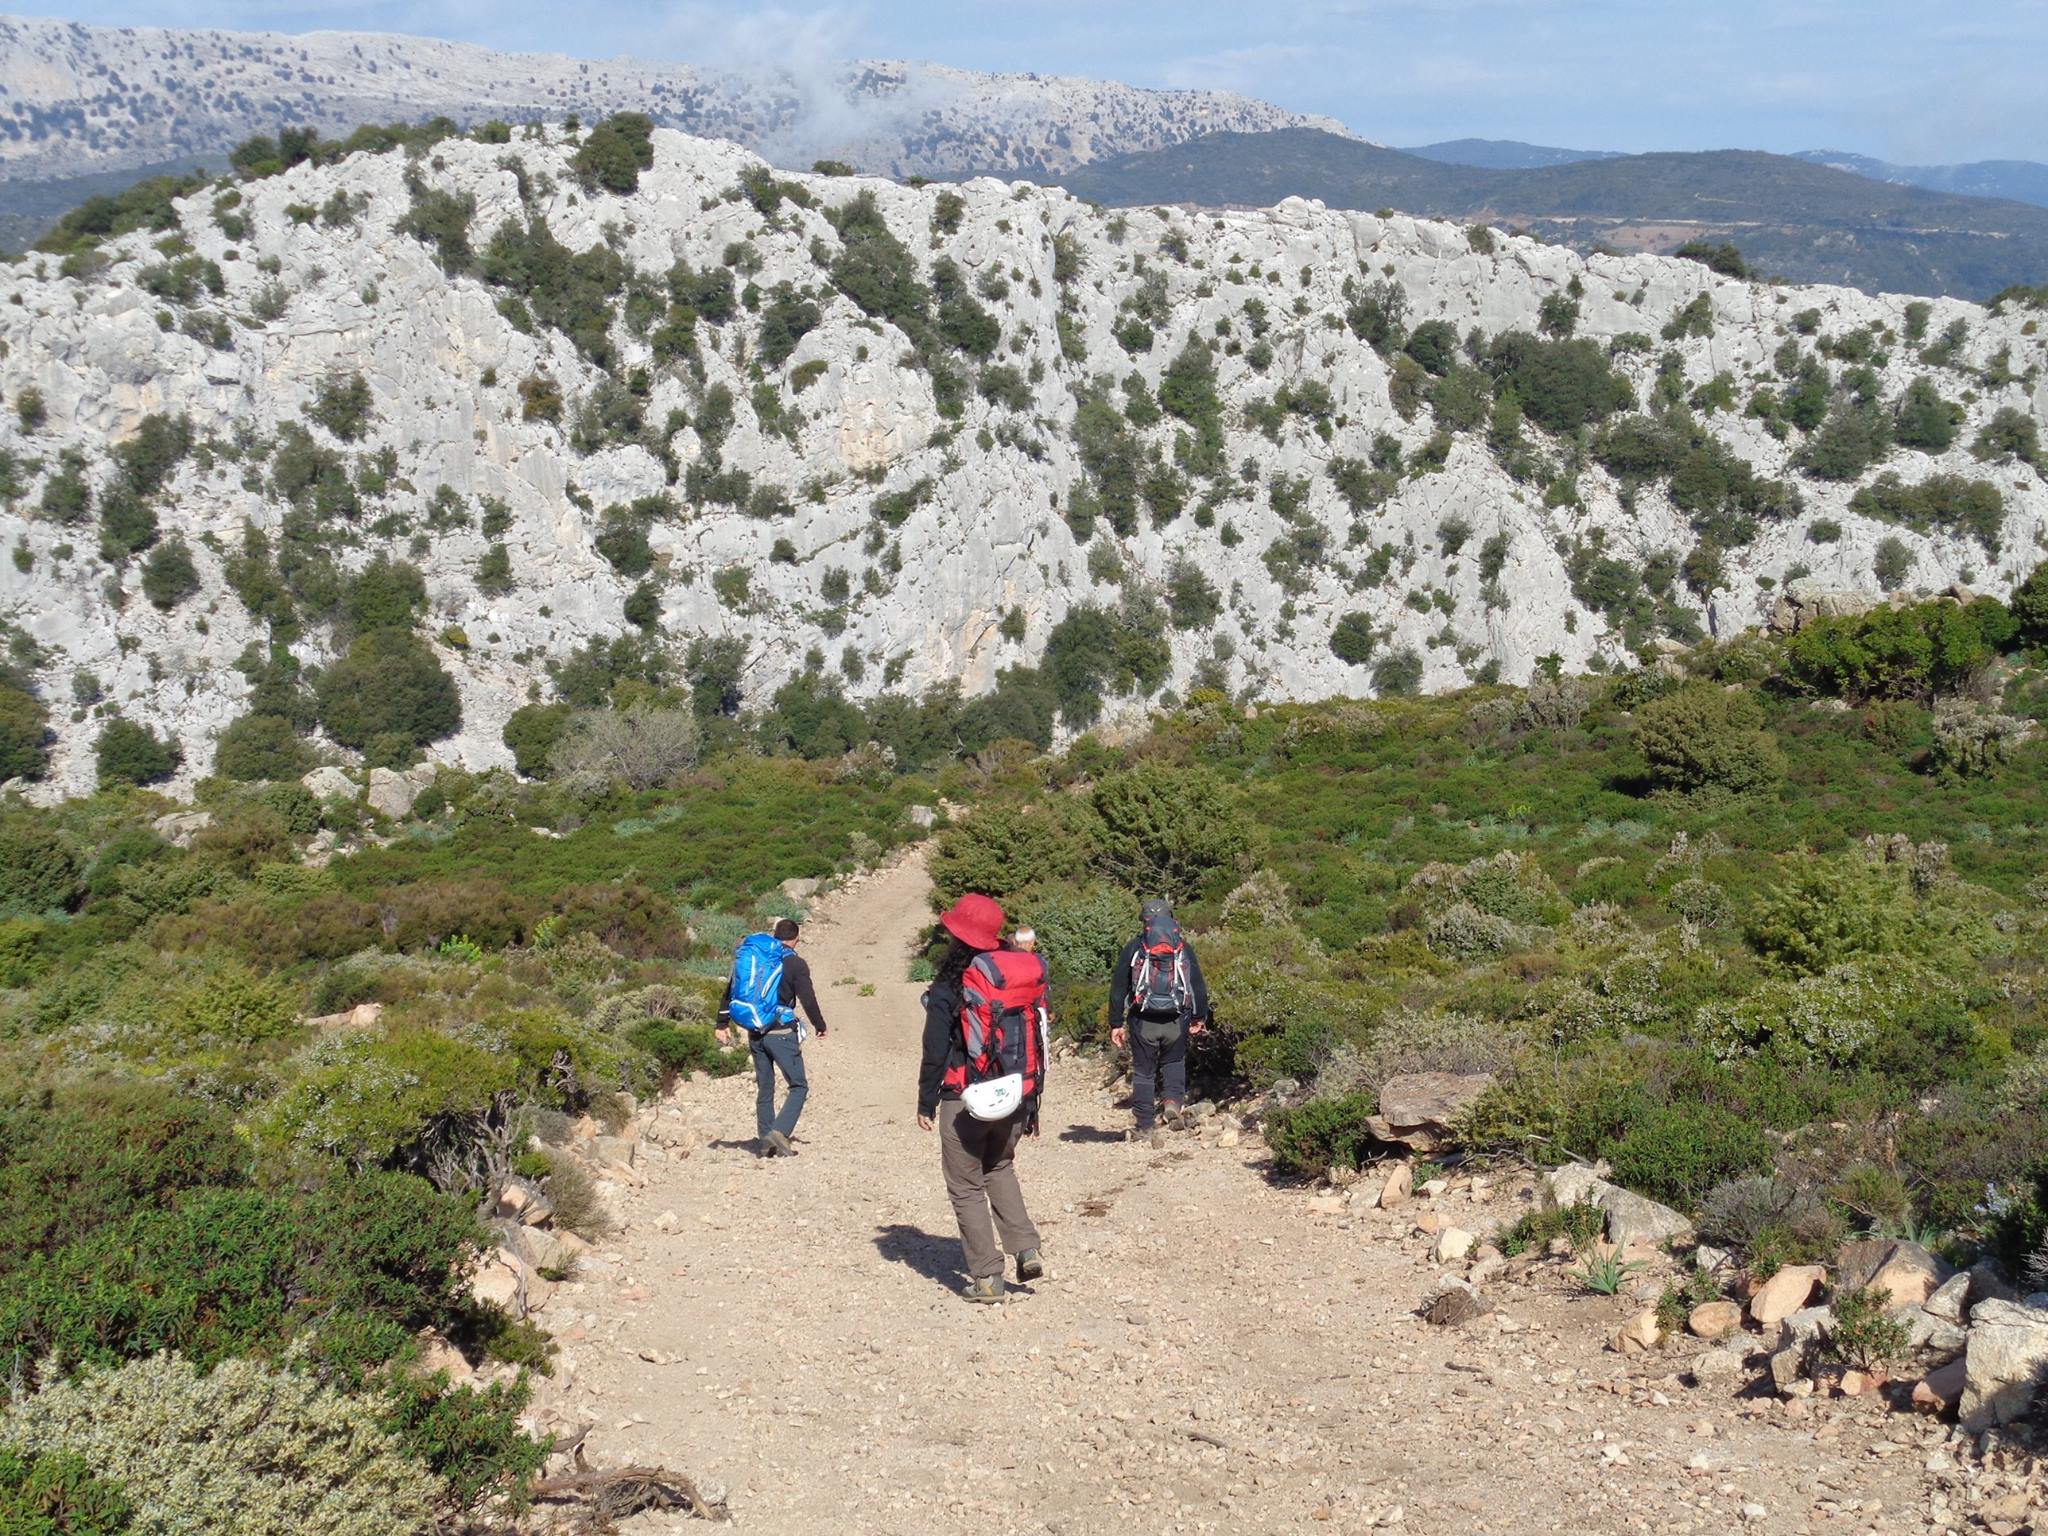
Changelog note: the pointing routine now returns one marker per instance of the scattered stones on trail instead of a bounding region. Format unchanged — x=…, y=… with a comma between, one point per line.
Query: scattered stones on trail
x=1785, y=1293
x=1639, y=1333
x=1418, y=1108
x=1941, y=1389
x=1454, y=1244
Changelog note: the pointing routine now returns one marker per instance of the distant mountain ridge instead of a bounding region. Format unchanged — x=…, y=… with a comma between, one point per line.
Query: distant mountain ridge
x=1504, y=154
x=76, y=100
x=1807, y=222
x=2021, y=181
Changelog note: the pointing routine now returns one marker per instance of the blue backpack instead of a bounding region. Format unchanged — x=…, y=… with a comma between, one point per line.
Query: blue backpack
x=756, y=1004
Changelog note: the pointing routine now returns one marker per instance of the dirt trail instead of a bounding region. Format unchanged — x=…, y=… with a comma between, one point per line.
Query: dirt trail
x=1209, y=1352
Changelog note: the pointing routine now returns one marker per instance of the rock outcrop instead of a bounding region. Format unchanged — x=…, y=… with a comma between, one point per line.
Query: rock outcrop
x=1173, y=422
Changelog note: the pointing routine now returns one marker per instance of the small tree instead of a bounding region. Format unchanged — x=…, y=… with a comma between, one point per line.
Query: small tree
x=533, y=732
x=1167, y=830
x=258, y=748
x=2030, y=606
x=1892, y=564
x=642, y=746
x=168, y=575
x=1352, y=639
x=389, y=684
x=127, y=753
x=1702, y=737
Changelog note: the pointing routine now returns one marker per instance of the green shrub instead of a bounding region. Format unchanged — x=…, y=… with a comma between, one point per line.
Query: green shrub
x=260, y=747
x=1703, y=737
x=169, y=575
x=364, y=1099
x=615, y=152
x=532, y=732
x=1865, y=1334
x=1578, y=1224
x=128, y=753
x=1892, y=564
x=84, y=1157
x=1397, y=674
x=1562, y=385
x=1168, y=831
x=218, y=1002
x=24, y=733
x=1081, y=929
x=39, y=872
x=1000, y=849
x=243, y=1448
x=56, y=1493
x=1353, y=639
x=1678, y=1152
x=1919, y=651
x=385, y=594
x=2029, y=606
x=342, y=406
x=388, y=684
x=2010, y=434
x=1827, y=911
x=1323, y=1133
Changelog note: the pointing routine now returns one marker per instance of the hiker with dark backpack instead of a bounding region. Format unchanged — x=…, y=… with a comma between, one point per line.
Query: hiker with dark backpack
x=769, y=981
x=986, y=1028
x=1157, y=1002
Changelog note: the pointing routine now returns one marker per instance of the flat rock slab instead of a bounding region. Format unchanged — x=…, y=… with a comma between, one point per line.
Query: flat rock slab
x=1416, y=1109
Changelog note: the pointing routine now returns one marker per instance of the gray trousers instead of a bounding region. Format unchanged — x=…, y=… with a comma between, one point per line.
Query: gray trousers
x=980, y=1162
x=778, y=1048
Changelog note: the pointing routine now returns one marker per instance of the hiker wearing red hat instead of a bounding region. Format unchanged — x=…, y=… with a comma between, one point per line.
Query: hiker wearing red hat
x=986, y=1023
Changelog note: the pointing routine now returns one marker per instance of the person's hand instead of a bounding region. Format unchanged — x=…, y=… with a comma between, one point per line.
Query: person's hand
x=1199, y=1027
x=1119, y=1037
x=924, y=1122
x=724, y=1035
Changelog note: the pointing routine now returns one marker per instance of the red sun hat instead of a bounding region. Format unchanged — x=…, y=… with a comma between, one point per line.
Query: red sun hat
x=975, y=921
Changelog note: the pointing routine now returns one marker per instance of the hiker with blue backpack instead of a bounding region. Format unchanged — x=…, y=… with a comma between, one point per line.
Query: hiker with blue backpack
x=769, y=981
x=1157, y=1003
x=986, y=1030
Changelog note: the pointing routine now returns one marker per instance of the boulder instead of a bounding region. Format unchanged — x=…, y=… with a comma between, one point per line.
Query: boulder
x=1400, y=1181
x=800, y=888
x=1634, y=1218
x=1417, y=1108
x=2006, y=1363
x=362, y=1016
x=1453, y=1244
x=392, y=793
x=1785, y=1292
x=1575, y=1184
x=1639, y=1333
x=1451, y=1302
x=1941, y=1388
x=1801, y=603
x=331, y=784
x=179, y=828
x=1711, y=1261
x=1714, y=1320
x=1794, y=1344
x=496, y=1285
x=1716, y=1365
x=1906, y=1271
x=619, y=1151
x=923, y=817
x=1930, y=1337
x=1950, y=1301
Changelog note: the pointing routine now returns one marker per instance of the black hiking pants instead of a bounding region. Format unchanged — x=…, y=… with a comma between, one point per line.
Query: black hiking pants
x=1158, y=1067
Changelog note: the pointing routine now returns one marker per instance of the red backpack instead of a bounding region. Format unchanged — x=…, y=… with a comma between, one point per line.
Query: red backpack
x=1004, y=1020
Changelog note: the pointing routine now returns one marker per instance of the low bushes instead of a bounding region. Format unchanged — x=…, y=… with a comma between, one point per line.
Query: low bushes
x=1323, y=1133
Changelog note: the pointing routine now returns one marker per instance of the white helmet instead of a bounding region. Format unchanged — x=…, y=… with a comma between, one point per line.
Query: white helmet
x=997, y=1099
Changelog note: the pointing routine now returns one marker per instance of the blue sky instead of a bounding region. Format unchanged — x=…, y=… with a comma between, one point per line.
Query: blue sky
x=1956, y=80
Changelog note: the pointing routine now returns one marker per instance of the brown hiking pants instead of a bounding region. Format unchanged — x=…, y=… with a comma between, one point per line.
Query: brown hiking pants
x=980, y=1162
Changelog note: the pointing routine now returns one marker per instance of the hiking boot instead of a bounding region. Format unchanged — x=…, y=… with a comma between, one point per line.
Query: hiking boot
x=778, y=1145
x=1175, y=1118
x=989, y=1290
x=1030, y=1266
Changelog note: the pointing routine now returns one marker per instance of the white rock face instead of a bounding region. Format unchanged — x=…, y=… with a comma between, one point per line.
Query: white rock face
x=58, y=79
x=946, y=539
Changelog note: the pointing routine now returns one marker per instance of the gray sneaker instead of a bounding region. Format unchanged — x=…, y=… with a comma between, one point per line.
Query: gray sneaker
x=778, y=1145
x=1030, y=1266
x=985, y=1291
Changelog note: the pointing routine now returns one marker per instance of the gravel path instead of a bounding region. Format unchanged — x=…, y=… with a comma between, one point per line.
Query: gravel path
x=1210, y=1352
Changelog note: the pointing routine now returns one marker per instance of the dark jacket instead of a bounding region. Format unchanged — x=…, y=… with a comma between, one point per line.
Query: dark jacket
x=796, y=988
x=1120, y=986
x=944, y=1045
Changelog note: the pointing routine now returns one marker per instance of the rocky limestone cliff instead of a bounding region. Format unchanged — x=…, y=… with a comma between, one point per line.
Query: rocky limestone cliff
x=76, y=99
x=901, y=545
